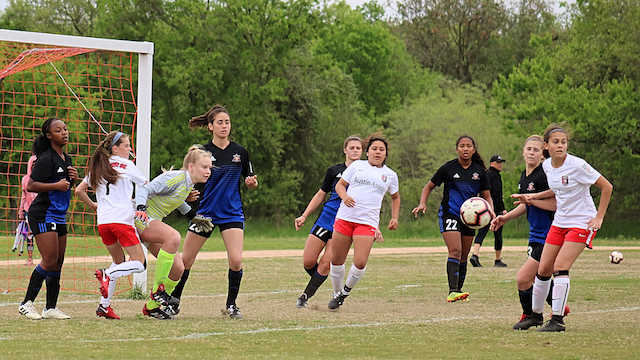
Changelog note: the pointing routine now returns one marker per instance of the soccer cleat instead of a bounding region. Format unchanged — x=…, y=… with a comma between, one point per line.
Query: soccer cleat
x=173, y=309
x=103, y=279
x=527, y=321
x=157, y=313
x=29, y=311
x=457, y=295
x=337, y=300
x=556, y=324
x=107, y=312
x=234, y=312
x=54, y=313
x=163, y=298
x=475, y=261
x=499, y=263
x=302, y=301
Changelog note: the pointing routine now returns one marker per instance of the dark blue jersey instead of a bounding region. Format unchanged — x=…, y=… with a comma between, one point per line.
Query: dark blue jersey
x=539, y=220
x=328, y=214
x=460, y=184
x=221, y=196
x=50, y=206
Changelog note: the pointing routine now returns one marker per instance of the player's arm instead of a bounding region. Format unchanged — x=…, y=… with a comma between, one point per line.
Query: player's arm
x=395, y=211
x=317, y=199
x=605, y=197
x=341, y=190
x=424, y=196
x=548, y=204
x=500, y=220
x=81, y=192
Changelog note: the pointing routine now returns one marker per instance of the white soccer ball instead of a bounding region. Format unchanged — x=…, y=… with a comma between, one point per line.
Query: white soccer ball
x=616, y=257
x=475, y=213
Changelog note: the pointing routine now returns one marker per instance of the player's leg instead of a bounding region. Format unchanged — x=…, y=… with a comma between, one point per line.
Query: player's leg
x=453, y=240
x=542, y=282
x=341, y=243
x=318, y=269
x=48, y=245
x=53, y=278
x=497, y=246
x=233, y=238
x=467, y=240
x=524, y=280
x=477, y=243
x=193, y=242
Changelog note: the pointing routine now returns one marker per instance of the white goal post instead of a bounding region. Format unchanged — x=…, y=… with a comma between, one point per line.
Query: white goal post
x=145, y=67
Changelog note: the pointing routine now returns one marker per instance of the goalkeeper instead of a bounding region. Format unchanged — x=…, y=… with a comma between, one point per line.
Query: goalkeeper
x=154, y=201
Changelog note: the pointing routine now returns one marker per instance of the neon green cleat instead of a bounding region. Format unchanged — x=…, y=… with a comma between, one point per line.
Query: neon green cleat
x=457, y=295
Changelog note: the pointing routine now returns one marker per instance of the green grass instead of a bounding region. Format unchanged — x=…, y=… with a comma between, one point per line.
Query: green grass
x=397, y=311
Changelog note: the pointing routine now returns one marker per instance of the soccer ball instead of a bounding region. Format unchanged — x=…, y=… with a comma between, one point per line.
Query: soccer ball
x=475, y=213
x=616, y=257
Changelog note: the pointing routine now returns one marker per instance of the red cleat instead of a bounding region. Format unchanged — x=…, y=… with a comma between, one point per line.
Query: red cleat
x=103, y=278
x=107, y=312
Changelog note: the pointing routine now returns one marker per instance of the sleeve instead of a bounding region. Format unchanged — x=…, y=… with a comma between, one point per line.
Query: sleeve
x=484, y=181
x=184, y=208
x=135, y=174
x=247, y=168
x=440, y=176
x=586, y=174
x=87, y=179
x=394, y=185
x=42, y=169
x=327, y=184
x=348, y=174
x=157, y=186
x=542, y=182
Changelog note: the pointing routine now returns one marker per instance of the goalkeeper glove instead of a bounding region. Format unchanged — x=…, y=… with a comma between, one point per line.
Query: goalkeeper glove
x=141, y=216
x=203, y=223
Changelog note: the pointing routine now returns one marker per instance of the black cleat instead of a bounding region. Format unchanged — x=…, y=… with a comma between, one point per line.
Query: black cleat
x=302, y=301
x=163, y=298
x=475, y=261
x=157, y=313
x=499, y=263
x=528, y=321
x=556, y=324
x=337, y=301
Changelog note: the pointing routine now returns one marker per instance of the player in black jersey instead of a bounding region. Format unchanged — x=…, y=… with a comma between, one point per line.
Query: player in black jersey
x=320, y=236
x=221, y=202
x=52, y=178
x=463, y=178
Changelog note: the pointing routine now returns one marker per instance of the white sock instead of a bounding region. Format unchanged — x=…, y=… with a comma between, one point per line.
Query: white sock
x=106, y=302
x=337, y=276
x=540, y=292
x=561, y=287
x=354, y=276
x=124, y=269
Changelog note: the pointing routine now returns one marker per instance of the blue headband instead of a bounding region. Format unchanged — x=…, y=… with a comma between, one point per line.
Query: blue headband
x=116, y=138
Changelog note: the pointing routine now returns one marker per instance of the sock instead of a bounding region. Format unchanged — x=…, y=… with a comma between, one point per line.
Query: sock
x=560, y=295
x=124, y=269
x=38, y=275
x=462, y=275
x=453, y=273
x=314, y=284
x=177, y=292
x=526, y=300
x=235, y=277
x=163, y=268
x=53, y=289
x=550, y=294
x=337, y=276
x=540, y=290
x=106, y=302
x=354, y=276
x=312, y=271
x=170, y=285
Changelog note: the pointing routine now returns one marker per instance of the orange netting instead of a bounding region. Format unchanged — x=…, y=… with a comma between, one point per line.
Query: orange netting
x=32, y=89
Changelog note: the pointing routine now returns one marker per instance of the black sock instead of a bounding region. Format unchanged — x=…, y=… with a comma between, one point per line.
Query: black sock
x=550, y=294
x=462, y=275
x=453, y=273
x=53, y=289
x=312, y=271
x=177, y=292
x=526, y=300
x=235, y=277
x=35, y=283
x=315, y=282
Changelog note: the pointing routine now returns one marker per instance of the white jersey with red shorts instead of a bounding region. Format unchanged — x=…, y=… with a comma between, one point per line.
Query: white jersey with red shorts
x=367, y=186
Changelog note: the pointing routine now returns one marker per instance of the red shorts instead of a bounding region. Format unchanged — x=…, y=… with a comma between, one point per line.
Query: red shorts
x=557, y=236
x=349, y=228
x=111, y=233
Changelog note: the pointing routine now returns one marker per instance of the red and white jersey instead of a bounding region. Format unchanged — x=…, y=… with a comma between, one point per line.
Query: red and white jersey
x=570, y=183
x=115, y=201
x=367, y=186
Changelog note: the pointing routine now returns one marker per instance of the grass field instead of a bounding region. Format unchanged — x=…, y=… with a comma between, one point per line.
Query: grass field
x=397, y=311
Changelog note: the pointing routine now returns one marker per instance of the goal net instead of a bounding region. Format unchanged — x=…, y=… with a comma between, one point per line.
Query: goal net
x=91, y=85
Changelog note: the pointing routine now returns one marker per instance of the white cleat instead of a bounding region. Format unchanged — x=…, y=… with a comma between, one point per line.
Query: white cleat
x=29, y=311
x=54, y=313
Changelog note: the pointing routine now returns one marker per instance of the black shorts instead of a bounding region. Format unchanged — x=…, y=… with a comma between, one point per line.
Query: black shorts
x=535, y=250
x=450, y=222
x=232, y=225
x=321, y=233
x=41, y=228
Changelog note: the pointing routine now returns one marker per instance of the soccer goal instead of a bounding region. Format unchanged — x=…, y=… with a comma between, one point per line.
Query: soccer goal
x=95, y=86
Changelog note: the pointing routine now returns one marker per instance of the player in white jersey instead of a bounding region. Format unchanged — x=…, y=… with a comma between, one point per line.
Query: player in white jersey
x=154, y=201
x=112, y=176
x=574, y=226
x=359, y=214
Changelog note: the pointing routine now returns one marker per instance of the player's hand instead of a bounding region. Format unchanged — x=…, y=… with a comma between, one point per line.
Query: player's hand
x=94, y=206
x=73, y=173
x=20, y=215
x=393, y=224
x=203, y=223
x=349, y=202
x=417, y=209
x=521, y=199
x=193, y=195
x=377, y=237
x=141, y=216
x=594, y=224
x=299, y=222
x=498, y=222
x=251, y=181
x=63, y=185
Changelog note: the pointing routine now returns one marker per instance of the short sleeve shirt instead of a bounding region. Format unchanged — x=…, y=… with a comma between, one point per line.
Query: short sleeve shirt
x=330, y=208
x=460, y=184
x=50, y=206
x=539, y=220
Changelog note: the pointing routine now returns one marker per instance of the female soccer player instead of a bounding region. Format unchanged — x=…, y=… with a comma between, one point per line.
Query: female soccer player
x=574, y=226
x=359, y=214
x=112, y=175
x=320, y=236
x=154, y=201
x=463, y=178
x=221, y=202
x=540, y=215
x=52, y=178
x=26, y=199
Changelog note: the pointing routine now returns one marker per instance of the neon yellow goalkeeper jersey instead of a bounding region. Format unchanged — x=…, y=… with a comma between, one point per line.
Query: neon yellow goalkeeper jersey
x=165, y=193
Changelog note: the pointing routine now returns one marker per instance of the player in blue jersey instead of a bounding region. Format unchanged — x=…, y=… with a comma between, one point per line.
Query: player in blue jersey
x=320, y=236
x=221, y=202
x=52, y=178
x=540, y=215
x=463, y=178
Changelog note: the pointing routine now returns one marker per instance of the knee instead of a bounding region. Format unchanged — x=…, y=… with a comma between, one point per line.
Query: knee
x=455, y=253
x=172, y=244
x=308, y=263
x=235, y=263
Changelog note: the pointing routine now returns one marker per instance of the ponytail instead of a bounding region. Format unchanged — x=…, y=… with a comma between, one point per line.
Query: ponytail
x=42, y=142
x=476, y=155
x=205, y=119
x=193, y=155
x=99, y=166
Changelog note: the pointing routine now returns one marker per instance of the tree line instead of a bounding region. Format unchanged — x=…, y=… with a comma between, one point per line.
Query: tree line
x=299, y=76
